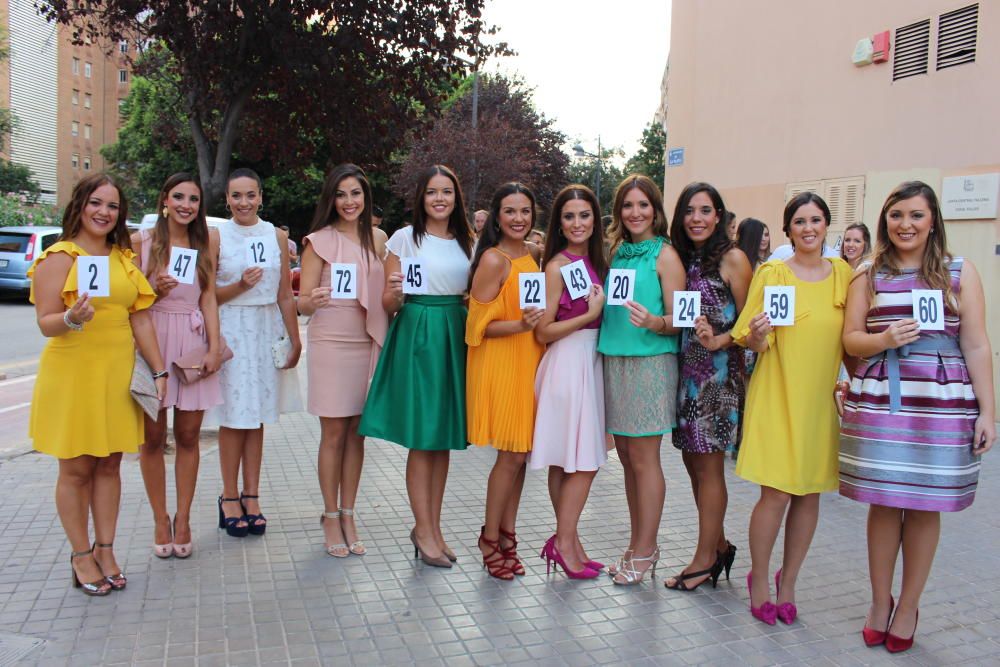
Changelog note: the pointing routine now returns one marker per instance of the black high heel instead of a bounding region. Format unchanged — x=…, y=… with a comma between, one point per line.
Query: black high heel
x=252, y=519
x=728, y=557
x=231, y=523
x=713, y=573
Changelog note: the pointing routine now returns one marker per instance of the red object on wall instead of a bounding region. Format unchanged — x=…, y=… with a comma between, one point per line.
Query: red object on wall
x=880, y=44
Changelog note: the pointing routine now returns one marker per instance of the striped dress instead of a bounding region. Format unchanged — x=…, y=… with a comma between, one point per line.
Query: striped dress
x=906, y=436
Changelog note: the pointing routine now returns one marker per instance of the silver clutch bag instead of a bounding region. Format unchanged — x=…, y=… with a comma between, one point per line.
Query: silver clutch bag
x=280, y=351
x=143, y=388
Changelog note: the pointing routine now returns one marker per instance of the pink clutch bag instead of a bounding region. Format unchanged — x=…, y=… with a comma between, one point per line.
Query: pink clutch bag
x=188, y=366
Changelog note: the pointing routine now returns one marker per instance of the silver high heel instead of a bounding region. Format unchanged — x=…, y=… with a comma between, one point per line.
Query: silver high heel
x=357, y=547
x=631, y=576
x=339, y=550
x=617, y=566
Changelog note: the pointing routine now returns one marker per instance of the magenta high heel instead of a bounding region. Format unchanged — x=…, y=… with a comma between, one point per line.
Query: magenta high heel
x=787, y=611
x=553, y=558
x=767, y=612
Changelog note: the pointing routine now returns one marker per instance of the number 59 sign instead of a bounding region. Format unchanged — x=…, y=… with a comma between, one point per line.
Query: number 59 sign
x=779, y=304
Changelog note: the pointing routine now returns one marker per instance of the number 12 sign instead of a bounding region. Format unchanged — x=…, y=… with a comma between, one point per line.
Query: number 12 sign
x=532, y=290
x=621, y=286
x=928, y=309
x=779, y=304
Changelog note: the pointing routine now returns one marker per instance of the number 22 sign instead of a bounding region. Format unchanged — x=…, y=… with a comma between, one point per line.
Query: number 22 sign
x=779, y=304
x=532, y=290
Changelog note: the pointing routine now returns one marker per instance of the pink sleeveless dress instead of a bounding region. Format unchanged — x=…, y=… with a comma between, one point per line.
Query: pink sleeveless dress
x=344, y=339
x=180, y=328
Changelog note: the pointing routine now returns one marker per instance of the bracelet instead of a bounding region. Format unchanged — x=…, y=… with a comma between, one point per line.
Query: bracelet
x=161, y=374
x=70, y=323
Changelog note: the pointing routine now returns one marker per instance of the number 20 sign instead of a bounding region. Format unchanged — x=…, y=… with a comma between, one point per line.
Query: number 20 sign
x=621, y=286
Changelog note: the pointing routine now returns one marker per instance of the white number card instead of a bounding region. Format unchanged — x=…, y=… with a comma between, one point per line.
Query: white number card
x=414, y=276
x=621, y=286
x=259, y=249
x=183, y=264
x=687, y=308
x=532, y=290
x=928, y=309
x=576, y=278
x=93, y=276
x=779, y=304
x=343, y=281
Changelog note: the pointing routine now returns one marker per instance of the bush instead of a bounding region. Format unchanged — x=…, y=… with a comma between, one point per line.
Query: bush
x=15, y=211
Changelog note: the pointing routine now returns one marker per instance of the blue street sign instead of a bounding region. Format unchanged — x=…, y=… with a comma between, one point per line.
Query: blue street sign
x=675, y=157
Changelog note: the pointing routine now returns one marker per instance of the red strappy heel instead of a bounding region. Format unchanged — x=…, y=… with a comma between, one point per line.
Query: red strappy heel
x=495, y=561
x=511, y=553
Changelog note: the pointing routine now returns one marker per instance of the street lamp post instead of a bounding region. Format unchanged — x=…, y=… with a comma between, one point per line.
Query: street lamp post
x=578, y=150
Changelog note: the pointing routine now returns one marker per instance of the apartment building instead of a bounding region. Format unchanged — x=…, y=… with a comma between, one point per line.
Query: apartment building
x=847, y=99
x=66, y=98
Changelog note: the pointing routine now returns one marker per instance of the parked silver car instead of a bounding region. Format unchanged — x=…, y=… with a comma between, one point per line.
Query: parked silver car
x=19, y=247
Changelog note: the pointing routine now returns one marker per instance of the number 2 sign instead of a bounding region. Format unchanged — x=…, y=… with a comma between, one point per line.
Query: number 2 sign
x=93, y=276
x=779, y=304
x=532, y=290
x=928, y=309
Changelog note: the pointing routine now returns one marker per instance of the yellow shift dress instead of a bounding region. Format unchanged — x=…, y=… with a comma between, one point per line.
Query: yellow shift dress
x=790, y=426
x=81, y=404
x=500, y=373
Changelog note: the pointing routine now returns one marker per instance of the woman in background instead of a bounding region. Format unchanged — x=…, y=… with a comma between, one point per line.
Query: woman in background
x=857, y=244
x=754, y=239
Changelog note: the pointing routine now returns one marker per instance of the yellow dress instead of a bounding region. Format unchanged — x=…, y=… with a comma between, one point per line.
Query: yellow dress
x=81, y=404
x=500, y=373
x=790, y=426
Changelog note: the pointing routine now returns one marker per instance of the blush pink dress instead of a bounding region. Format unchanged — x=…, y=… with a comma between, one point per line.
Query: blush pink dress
x=180, y=328
x=345, y=338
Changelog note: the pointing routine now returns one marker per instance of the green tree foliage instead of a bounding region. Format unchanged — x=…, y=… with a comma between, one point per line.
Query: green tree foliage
x=19, y=180
x=649, y=159
x=584, y=171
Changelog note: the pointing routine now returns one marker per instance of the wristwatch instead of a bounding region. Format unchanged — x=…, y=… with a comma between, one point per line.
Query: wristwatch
x=161, y=374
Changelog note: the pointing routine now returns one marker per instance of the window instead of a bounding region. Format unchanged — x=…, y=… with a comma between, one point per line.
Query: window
x=123, y=46
x=74, y=128
x=87, y=68
x=76, y=96
x=912, y=50
x=956, y=42
x=75, y=160
x=86, y=131
x=76, y=66
x=87, y=100
x=86, y=163
x=123, y=76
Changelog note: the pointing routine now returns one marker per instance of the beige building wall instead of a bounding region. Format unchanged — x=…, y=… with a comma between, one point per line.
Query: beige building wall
x=764, y=95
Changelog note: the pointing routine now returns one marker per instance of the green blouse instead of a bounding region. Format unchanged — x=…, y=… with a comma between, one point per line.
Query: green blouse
x=619, y=338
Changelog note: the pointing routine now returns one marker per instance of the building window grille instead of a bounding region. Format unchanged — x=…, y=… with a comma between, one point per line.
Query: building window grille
x=75, y=160
x=123, y=76
x=87, y=69
x=74, y=128
x=76, y=66
x=87, y=100
x=956, y=41
x=86, y=163
x=912, y=50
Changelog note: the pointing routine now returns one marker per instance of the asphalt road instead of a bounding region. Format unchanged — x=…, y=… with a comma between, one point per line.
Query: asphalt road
x=20, y=340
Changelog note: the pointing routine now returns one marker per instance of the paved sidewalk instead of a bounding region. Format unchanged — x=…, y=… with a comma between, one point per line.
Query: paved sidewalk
x=280, y=600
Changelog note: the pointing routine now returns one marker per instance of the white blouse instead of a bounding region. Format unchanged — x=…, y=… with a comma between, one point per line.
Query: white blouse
x=444, y=263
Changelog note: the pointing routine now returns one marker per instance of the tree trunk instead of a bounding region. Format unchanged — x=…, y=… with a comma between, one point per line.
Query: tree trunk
x=214, y=160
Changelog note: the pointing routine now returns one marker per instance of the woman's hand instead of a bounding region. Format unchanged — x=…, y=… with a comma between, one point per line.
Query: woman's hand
x=595, y=301
x=705, y=334
x=251, y=276
x=984, y=435
x=161, y=387
x=81, y=311
x=840, y=395
x=211, y=363
x=530, y=317
x=395, y=285
x=320, y=297
x=164, y=283
x=760, y=329
x=900, y=333
x=293, y=355
x=639, y=316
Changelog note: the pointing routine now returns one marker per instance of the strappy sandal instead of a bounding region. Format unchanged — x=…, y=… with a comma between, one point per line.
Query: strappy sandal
x=98, y=588
x=357, y=547
x=256, y=523
x=712, y=573
x=619, y=564
x=511, y=552
x=117, y=581
x=340, y=549
x=495, y=561
x=631, y=576
x=231, y=524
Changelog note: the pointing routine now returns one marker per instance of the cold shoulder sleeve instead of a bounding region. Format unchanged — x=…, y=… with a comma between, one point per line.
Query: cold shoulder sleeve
x=480, y=315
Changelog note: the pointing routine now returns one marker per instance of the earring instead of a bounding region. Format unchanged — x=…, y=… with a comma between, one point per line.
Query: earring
x=260, y=208
x=164, y=211
x=228, y=208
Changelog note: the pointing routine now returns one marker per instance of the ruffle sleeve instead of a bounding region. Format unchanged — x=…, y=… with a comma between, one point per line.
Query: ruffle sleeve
x=769, y=273
x=146, y=296
x=842, y=274
x=69, y=287
x=480, y=315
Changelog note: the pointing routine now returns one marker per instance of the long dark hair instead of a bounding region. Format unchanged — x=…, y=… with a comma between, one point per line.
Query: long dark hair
x=717, y=245
x=490, y=236
x=748, y=237
x=556, y=241
x=458, y=223
x=72, y=218
x=197, y=231
x=326, y=208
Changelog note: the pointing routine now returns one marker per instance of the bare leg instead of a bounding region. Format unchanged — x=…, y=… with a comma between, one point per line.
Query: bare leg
x=230, y=458
x=333, y=433
x=74, y=487
x=765, y=522
x=104, y=504
x=439, y=480
x=708, y=479
x=921, y=531
x=154, y=475
x=555, y=479
x=187, y=429
x=800, y=526
x=575, y=489
x=649, y=489
x=350, y=477
x=885, y=535
x=419, y=483
x=622, y=445
x=499, y=488
x=253, y=457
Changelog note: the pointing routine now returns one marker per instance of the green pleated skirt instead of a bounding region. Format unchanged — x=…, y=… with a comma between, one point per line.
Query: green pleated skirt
x=417, y=395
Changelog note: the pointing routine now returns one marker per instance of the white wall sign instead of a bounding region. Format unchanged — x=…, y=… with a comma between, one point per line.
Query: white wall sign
x=970, y=197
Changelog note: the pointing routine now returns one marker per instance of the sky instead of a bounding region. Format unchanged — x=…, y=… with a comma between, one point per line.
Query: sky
x=596, y=66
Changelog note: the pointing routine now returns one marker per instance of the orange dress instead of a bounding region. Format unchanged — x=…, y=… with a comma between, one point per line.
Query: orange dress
x=500, y=373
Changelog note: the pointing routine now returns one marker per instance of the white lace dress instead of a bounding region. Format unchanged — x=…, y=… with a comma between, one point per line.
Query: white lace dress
x=253, y=390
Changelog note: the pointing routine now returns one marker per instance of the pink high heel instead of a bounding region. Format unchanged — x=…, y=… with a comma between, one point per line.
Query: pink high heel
x=551, y=555
x=767, y=612
x=787, y=611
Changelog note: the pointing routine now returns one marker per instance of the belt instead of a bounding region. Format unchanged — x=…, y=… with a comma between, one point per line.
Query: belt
x=928, y=344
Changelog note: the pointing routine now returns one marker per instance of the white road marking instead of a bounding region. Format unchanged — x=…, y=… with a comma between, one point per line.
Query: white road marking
x=23, y=378
x=11, y=408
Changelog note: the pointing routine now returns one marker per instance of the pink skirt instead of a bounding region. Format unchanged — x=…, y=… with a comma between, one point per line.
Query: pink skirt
x=339, y=376
x=178, y=334
x=569, y=422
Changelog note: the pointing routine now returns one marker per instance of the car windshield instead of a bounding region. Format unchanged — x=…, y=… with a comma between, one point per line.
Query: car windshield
x=11, y=242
